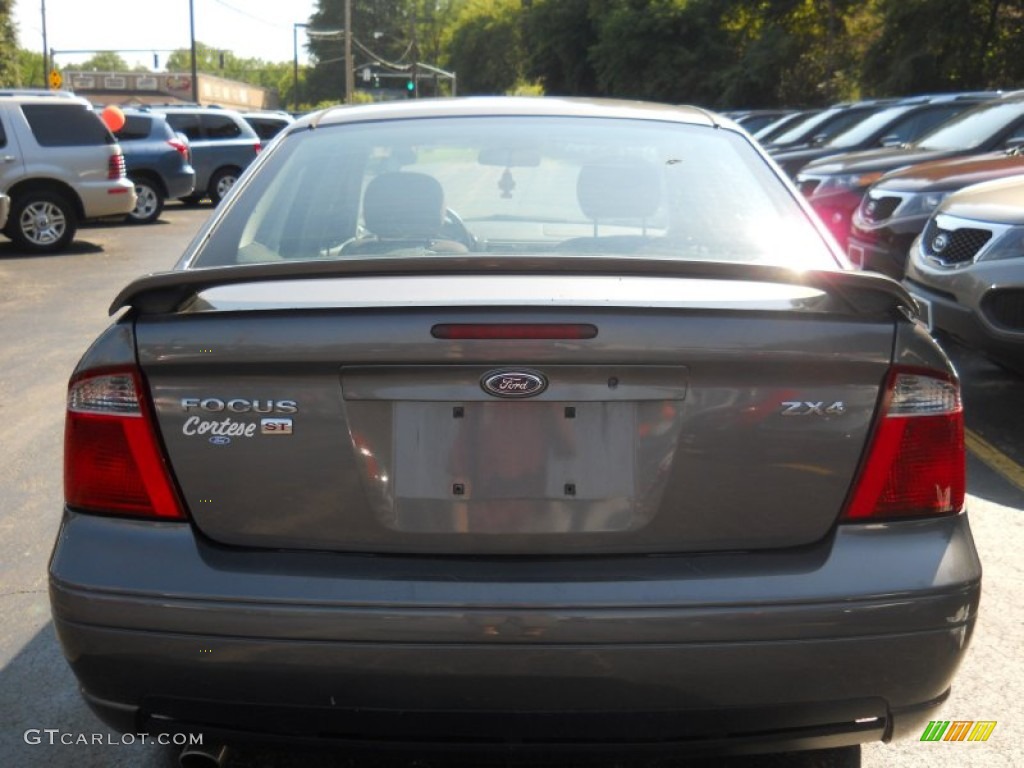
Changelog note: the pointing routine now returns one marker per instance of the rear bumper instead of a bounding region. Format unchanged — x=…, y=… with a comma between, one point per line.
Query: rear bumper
x=108, y=198
x=180, y=182
x=746, y=653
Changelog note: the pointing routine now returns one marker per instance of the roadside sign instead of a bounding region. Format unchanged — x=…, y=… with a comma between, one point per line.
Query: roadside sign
x=56, y=81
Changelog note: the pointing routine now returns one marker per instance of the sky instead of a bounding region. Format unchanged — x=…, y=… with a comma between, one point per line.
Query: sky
x=248, y=28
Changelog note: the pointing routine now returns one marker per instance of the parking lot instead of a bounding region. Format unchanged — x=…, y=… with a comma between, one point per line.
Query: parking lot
x=51, y=307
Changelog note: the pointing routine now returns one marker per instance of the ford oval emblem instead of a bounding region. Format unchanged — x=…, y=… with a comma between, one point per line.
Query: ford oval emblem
x=220, y=440
x=513, y=383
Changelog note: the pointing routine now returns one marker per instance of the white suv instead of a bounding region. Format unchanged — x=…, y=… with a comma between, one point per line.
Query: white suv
x=59, y=165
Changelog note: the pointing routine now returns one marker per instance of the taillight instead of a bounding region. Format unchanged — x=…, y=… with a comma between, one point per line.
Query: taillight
x=180, y=147
x=915, y=465
x=258, y=146
x=115, y=167
x=112, y=461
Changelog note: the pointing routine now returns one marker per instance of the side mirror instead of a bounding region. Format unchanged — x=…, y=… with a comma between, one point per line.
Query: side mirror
x=1015, y=143
x=891, y=141
x=818, y=140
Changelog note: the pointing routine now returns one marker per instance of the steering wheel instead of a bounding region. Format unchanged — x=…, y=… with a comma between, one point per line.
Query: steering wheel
x=454, y=228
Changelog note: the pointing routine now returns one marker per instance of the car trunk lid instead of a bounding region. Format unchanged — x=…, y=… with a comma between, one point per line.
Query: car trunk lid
x=699, y=415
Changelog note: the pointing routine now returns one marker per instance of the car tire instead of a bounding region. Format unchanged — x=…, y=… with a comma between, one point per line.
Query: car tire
x=41, y=221
x=149, y=204
x=221, y=182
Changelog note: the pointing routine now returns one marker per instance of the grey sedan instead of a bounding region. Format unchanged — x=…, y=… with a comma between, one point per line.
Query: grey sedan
x=521, y=424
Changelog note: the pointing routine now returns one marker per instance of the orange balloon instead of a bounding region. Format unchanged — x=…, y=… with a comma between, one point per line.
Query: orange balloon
x=113, y=118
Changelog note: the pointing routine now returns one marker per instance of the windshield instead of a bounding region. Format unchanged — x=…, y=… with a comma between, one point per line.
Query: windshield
x=516, y=185
x=973, y=128
x=787, y=123
x=867, y=127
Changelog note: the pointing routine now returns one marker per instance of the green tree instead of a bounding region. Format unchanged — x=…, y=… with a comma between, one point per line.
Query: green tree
x=558, y=37
x=485, y=47
x=793, y=52
x=929, y=45
x=664, y=50
x=105, y=61
x=9, y=71
x=30, y=69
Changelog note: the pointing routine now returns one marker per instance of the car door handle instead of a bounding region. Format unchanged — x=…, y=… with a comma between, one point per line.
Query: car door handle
x=9, y=158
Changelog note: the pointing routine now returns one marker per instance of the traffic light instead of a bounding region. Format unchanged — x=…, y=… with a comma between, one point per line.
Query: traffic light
x=410, y=86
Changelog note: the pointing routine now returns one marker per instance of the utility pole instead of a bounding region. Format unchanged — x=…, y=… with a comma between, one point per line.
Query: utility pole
x=350, y=75
x=46, y=62
x=192, y=37
x=295, y=63
x=415, y=58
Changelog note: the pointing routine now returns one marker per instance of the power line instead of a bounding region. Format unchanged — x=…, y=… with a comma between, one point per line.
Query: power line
x=247, y=14
x=381, y=60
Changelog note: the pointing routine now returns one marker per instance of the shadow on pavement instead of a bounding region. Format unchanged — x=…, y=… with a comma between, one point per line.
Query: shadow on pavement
x=38, y=692
x=9, y=250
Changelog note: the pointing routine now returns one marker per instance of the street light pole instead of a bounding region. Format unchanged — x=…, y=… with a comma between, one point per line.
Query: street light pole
x=295, y=63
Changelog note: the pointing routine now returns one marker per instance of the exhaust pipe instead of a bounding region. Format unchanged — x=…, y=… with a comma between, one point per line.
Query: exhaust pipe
x=204, y=756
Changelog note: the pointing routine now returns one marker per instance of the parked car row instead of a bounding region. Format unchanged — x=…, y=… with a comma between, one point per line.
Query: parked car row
x=929, y=190
x=61, y=165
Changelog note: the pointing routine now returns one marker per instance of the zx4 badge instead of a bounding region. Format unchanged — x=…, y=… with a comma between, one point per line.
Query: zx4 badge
x=807, y=408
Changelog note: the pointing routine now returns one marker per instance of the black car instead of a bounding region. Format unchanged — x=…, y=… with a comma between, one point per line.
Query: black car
x=823, y=126
x=770, y=132
x=892, y=126
x=157, y=160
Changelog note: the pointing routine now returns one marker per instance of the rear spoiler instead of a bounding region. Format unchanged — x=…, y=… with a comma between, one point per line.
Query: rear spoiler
x=162, y=292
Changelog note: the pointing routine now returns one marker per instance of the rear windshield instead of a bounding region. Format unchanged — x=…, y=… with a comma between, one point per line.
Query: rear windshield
x=220, y=127
x=806, y=127
x=66, y=125
x=867, y=127
x=516, y=185
x=185, y=123
x=136, y=127
x=267, y=127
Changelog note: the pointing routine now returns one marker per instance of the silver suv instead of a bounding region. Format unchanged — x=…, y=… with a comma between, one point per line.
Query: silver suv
x=60, y=165
x=966, y=269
